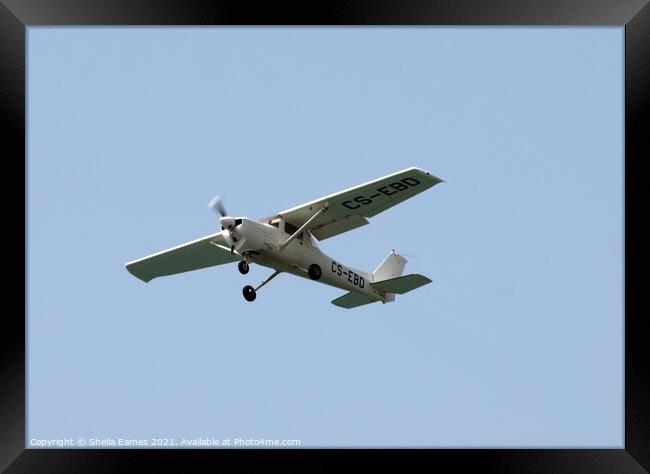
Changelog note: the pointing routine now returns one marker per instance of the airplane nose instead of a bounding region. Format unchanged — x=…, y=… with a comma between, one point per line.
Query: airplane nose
x=227, y=222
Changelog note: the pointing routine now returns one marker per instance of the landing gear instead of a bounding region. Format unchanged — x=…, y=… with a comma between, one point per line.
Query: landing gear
x=243, y=268
x=249, y=293
x=314, y=272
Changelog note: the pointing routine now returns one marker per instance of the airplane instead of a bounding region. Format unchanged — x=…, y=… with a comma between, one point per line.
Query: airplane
x=285, y=242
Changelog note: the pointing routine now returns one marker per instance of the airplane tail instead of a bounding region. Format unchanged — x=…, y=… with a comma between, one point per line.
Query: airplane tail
x=392, y=267
x=388, y=278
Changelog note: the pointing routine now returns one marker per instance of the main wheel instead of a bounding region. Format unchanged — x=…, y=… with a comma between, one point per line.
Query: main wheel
x=314, y=272
x=243, y=267
x=249, y=293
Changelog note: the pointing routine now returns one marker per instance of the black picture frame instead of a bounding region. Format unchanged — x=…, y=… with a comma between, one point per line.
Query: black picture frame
x=634, y=15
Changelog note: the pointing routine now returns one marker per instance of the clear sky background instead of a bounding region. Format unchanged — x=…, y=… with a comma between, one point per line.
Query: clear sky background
x=519, y=340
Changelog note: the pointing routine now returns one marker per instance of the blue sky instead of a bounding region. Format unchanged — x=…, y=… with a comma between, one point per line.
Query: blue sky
x=519, y=340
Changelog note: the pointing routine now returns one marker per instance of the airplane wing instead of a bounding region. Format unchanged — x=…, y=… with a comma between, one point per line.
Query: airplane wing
x=186, y=257
x=350, y=208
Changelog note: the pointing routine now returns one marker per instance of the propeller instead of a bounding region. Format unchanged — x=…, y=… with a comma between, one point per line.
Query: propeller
x=228, y=223
x=217, y=206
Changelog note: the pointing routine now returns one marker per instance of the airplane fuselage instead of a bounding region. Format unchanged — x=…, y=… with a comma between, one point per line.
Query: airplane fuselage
x=262, y=243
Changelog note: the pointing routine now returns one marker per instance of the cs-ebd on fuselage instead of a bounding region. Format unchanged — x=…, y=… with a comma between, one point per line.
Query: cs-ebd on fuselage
x=286, y=242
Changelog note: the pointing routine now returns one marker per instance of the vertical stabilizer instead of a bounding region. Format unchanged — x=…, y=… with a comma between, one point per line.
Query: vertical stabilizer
x=392, y=267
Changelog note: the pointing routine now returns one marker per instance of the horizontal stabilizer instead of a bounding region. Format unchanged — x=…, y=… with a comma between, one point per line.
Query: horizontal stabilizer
x=352, y=300
x=401, y=285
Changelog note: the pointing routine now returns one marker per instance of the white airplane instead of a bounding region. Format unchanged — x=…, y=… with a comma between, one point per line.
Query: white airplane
x=285, y=243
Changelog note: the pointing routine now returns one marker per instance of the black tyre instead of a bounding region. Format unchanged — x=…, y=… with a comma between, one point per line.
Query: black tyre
x=314, y=272
x=243, y=267
x=249, y=293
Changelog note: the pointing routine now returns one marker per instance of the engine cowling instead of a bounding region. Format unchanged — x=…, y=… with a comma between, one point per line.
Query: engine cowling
x=244, y=234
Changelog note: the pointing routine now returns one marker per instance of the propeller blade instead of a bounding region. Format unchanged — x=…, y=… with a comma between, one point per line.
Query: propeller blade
x=217, y=206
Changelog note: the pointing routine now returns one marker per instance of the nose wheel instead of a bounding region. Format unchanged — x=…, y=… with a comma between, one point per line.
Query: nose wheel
x=243, y=268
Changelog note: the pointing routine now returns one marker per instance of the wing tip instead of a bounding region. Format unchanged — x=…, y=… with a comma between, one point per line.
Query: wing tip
x=428, y=174
x=140, y=276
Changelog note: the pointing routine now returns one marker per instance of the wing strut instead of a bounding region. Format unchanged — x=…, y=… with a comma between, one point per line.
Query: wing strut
x=303, y=227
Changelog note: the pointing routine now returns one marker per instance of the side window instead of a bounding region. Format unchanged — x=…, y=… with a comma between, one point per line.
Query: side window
x=291, y=229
